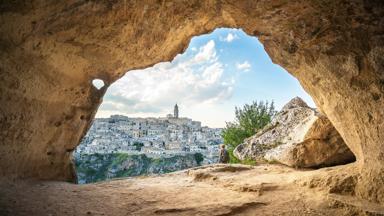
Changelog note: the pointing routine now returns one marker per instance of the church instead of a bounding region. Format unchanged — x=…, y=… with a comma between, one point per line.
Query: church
x=175, y=112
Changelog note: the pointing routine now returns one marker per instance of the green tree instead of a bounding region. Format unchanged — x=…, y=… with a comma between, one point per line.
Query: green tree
x=249, y=120
x=199, y=158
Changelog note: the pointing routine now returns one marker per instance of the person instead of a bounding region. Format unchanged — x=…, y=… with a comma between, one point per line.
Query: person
x=224, y=155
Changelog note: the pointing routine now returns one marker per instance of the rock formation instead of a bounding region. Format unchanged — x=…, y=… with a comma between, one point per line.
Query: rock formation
x=52, y=50
x=298, y=136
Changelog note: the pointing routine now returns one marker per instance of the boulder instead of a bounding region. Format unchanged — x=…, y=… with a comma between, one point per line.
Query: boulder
x=298, y=136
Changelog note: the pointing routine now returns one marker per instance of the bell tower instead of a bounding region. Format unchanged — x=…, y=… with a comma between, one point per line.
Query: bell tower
x=176, y=111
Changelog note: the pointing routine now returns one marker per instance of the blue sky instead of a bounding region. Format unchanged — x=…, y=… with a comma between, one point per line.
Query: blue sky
x=217, y=72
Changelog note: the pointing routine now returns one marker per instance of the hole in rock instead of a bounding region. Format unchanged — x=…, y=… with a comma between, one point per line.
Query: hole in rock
x=175, y=115
x=98, y=83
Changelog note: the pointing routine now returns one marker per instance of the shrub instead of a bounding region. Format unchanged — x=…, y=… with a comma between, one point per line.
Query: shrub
x=250, y=119
x=199, y=158
x=138, y=145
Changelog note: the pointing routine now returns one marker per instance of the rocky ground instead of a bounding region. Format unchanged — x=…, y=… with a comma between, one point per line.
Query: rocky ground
x=209, y=190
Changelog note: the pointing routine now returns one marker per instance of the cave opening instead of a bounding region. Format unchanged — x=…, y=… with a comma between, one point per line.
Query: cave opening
x=98, y=83
x=134, y=133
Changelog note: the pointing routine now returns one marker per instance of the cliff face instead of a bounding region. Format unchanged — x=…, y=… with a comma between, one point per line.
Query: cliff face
x=99, y=167
x=298, y=136
x=52, y=50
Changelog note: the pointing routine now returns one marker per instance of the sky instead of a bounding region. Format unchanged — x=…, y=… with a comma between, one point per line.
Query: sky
x=217, y=72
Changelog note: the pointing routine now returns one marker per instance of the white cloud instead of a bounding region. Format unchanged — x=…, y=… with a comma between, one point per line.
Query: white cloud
x=245, y=66
x=188, y=81
x=206, y=53
x=229, y=38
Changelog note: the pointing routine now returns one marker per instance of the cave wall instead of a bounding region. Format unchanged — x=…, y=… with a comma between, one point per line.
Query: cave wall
x=51, y=51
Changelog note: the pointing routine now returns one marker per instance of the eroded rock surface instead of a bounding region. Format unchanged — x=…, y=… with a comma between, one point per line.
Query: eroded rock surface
x=52, y=50
x=298, y=136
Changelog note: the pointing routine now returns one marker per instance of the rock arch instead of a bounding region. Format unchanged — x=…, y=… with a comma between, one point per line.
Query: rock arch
x=51, y=51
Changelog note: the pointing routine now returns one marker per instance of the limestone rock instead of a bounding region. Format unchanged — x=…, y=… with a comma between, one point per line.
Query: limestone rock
x=298, y=136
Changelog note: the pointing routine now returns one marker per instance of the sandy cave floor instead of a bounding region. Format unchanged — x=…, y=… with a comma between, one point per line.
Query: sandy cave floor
x=210, y=190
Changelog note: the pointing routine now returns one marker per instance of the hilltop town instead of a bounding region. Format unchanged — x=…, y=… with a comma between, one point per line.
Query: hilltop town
x=154, y=137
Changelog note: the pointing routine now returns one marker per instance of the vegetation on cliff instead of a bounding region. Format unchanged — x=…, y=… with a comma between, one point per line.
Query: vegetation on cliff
x=99, y=167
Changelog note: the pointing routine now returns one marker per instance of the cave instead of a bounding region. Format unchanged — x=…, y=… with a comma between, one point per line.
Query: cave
x=52, y=51
x=207, y=81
